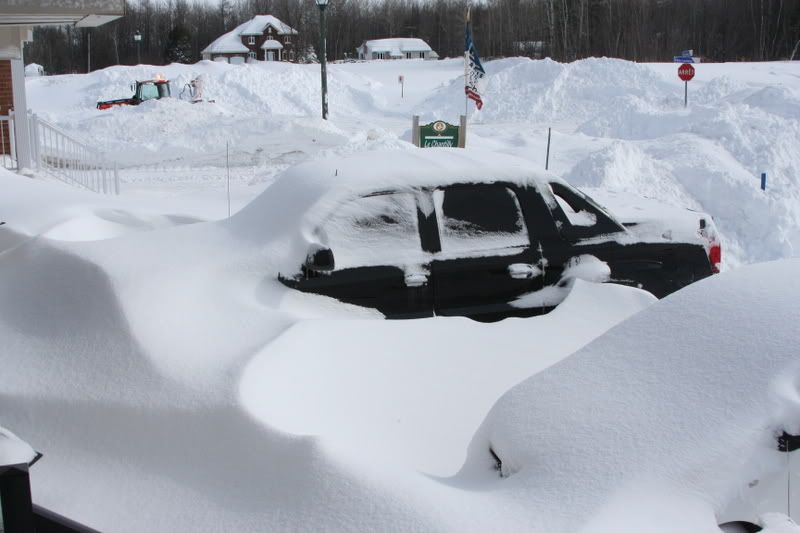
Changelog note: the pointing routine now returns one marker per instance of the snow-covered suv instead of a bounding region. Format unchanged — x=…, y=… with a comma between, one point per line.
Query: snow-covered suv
x=469, y=233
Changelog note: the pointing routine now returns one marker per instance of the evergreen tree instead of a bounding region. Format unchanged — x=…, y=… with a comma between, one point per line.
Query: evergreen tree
x=179, y=45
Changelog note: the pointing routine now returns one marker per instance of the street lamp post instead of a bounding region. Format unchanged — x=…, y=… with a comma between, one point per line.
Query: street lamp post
x=138, y=38
x=322, y=4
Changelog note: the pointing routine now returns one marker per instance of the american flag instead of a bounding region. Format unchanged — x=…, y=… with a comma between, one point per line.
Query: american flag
x=473, y=70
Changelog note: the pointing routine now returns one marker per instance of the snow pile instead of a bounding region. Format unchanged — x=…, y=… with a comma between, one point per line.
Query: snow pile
x=544, y=91
x=627, y=131
x=172, y=360
x=57, y=211
x=411, y=393
x=256, y=108
x=673, y=409
x=34, y=69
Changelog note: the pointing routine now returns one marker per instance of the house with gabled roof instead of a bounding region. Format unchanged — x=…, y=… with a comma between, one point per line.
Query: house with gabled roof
x=262, y=38
x=397, y=48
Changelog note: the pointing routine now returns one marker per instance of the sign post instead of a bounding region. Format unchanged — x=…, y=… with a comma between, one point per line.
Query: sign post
x=686, y=73
x=401, y=80
x=439, y=134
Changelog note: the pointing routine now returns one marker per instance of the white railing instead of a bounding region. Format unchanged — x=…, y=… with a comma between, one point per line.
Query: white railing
x=69, y=160
x=8, y=158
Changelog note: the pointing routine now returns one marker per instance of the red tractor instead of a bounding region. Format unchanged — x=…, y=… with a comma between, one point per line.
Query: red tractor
x=143, y=90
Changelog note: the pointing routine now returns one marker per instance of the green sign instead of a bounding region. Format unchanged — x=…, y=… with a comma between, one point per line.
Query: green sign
x=438, y=134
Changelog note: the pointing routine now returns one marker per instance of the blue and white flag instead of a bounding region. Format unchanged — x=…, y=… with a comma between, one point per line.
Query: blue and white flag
x=473, y=70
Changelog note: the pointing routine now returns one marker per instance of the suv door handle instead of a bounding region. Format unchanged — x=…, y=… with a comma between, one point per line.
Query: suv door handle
x=416, y=279
x=523, y=271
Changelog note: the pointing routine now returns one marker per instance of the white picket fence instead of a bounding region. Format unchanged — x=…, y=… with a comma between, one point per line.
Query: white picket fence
x=60, y=155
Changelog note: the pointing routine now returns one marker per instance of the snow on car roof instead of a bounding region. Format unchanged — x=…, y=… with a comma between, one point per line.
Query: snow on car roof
x=333, y=179
x=285, y=215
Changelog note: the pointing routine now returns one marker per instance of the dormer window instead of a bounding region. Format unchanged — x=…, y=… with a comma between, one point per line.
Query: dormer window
x=251, y=39
x=286, y=39
x=269, y=30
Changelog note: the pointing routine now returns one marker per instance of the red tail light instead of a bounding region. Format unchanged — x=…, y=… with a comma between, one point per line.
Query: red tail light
x=709, y=232
x=715, y=257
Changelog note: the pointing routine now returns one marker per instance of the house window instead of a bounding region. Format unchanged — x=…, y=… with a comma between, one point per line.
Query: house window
x=251, y=39
x=286, y=39
x=269, y=30
x=252, y=55
x=408, y=55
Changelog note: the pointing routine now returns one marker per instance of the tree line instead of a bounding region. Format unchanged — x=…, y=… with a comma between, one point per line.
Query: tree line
x=639, y=30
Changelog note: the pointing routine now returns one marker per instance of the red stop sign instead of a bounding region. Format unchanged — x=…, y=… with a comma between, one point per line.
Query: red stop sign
x=686, y=72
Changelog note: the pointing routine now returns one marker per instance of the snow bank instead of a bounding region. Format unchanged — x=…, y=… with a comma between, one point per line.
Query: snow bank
x=674, y=409
x=618, y=125
x=57, y=211
x=255, y=106
x=411, y=393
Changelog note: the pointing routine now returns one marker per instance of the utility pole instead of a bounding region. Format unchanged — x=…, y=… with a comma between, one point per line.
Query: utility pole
x=322, y=4
x=89, y=50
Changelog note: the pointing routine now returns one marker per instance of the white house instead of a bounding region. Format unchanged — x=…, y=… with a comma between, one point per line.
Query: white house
x=262, y=38
x=399, y=48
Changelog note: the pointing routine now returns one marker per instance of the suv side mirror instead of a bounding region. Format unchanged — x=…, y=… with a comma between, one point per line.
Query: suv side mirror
x=320, y=260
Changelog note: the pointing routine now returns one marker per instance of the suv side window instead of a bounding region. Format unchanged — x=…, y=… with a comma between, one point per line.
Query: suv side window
x=380, y=229
x=477, y=218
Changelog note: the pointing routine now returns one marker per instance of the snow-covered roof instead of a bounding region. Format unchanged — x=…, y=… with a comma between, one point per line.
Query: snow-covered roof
x=228, y=43
x=258, y=24
x=231, y=42
x=396, y=47
x=271, y=44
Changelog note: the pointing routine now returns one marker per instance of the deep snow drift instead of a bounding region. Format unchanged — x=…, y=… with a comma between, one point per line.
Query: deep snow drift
x=678, y=407
x=153, y=358
x=166, y=360
x=170, y=359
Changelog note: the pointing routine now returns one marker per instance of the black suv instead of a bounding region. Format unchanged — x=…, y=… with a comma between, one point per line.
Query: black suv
x=485, y=248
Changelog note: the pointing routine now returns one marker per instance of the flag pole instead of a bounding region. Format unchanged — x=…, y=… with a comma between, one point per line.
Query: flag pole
x=466, y=68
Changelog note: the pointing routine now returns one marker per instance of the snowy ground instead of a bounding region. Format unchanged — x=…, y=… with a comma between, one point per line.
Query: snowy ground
x=617, y=126
x=154, y=362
